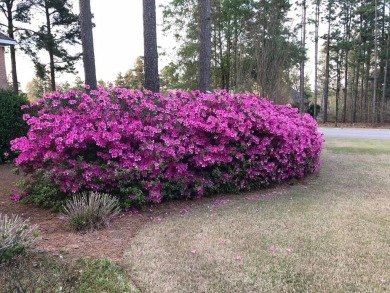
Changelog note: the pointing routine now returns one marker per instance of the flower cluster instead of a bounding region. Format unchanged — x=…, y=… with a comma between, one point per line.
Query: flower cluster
x=146, y=146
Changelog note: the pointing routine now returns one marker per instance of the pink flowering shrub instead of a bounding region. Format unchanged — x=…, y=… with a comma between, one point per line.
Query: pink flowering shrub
x=147, y=147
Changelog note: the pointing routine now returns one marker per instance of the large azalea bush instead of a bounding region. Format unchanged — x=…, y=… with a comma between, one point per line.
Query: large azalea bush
x=146, y=147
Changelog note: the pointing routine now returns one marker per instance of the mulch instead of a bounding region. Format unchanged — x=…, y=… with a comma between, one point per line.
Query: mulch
x=55, y=235
x=57, y=238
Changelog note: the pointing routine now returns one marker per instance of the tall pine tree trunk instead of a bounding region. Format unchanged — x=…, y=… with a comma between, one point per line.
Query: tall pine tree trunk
x=317, y=21
x=338, y=85
x=15, y=84
x=362, y=83
x=366, y=105
x=326, y=87
x=382, y=113
x=50, y=49
x=205, y=46
x=347, y=37
x=345, y=88
x=374, y=100
x=87, y=43
x=302, y=73
x=150, y=46
x=356, y=90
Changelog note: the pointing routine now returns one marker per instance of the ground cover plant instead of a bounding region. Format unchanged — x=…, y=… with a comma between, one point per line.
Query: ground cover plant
x=42, y=272
x=327, y=233
x=145, y=147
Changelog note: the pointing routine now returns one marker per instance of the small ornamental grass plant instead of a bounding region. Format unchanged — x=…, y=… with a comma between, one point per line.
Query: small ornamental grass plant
x=89, y=211
x=16, y=235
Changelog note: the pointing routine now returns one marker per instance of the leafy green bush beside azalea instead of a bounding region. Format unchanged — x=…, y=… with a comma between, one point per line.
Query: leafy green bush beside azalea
x=11, y=122
x=146, y=147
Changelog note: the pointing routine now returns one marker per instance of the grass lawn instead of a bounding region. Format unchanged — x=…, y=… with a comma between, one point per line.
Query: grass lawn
x=40, y=272
x=328, y=233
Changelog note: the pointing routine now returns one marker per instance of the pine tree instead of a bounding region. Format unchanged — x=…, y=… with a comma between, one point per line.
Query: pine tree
x=87, y=43
x=60, y=28
x=15, y=11
x=329, y=19
x=133, y=78
x=205, y=46
x=316, y=24
x=302, y=65
x=374, y=100
x=150, y=46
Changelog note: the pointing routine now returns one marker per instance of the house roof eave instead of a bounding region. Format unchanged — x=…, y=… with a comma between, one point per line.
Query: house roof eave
x=7, y=42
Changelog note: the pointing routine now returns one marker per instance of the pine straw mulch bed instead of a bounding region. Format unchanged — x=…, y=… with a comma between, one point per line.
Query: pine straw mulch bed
x=55, y=235
x=57, y=238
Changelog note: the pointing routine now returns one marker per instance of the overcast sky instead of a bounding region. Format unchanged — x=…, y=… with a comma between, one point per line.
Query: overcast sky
x=118, y=41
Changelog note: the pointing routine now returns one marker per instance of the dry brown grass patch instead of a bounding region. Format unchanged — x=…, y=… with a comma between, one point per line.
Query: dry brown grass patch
x=326, y=234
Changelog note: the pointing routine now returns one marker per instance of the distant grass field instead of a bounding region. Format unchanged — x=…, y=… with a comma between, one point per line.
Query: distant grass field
x=358, y=146
x=328, y=233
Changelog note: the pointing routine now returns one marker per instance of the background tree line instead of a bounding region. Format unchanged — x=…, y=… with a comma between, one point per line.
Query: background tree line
x=240, y=45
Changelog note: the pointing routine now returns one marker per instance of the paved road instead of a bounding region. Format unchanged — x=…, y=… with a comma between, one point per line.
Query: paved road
x=364, y=133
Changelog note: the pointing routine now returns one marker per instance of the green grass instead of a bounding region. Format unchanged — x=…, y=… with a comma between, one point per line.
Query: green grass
x=328, y=233
x=358, y=146
x=40, y=272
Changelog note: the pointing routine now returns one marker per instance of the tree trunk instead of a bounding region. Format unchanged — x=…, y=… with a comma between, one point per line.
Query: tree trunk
x=345, y=88
x=220, y=45
x=366, y=105
x=50, y=50
x=228, y=58
x=382, y=114
x=347, y=37
x=302, y=73
x=326, y=87
x=361, y=114
x=235, y=60
x=356, y=91
x=205, y=46
x=15, y=84
x=374, y=100
x=150, y=46
x=338, y=85
x=87, y=43
x=317, y=20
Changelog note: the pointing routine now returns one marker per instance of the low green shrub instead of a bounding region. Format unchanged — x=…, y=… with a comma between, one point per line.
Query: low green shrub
x=41, y=191
x=40, y=272
x=12, y=124
x=16, y=235
x=91, y=211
